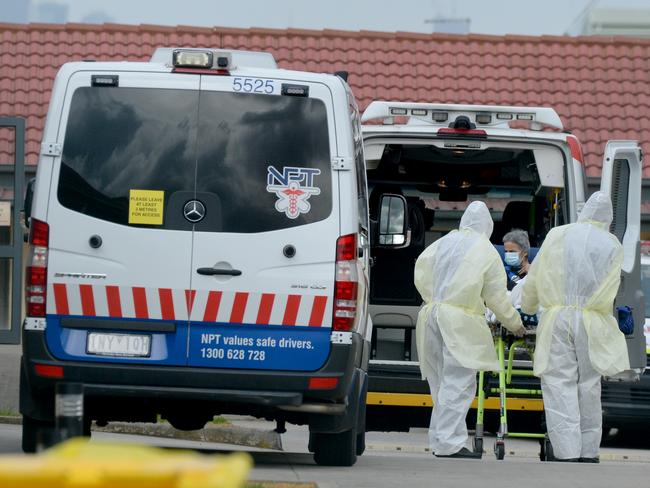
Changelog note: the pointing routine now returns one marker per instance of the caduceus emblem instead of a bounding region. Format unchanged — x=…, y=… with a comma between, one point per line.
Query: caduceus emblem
x=293, y=186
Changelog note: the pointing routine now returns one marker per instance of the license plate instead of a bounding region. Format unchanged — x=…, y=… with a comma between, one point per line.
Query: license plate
x=124, y=345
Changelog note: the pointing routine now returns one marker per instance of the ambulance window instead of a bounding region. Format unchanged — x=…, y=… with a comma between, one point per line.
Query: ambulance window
x=119, y=139
x=265, y=160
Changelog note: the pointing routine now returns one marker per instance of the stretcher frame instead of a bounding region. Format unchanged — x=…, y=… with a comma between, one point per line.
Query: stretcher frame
x=505, y=374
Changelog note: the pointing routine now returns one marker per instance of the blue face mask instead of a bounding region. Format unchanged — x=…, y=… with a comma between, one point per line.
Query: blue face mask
x=512, y=258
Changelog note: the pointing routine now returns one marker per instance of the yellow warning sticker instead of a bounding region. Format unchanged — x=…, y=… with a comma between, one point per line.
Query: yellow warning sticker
x=146, y=207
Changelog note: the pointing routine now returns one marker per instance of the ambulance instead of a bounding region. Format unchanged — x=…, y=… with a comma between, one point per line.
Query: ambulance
x=199, y=246
x=436, y=159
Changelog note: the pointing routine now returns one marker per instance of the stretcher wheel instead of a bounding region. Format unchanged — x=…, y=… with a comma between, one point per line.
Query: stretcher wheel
x=478, y=445
x=548, y=450
x=500, y=450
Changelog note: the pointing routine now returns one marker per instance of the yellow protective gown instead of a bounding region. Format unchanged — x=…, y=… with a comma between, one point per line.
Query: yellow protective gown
x=574, y=279
x=578, y=271
x=457, y=276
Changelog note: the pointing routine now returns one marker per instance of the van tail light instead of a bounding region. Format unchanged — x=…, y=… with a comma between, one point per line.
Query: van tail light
x=36, y=280
x=346, y=284
x=576, y=148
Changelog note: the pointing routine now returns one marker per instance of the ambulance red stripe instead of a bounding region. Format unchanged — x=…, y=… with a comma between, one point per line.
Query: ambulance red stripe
x=190, y=295
x=113, y=301
x=87, y=300
x=318, y=311
x=295, y=307
x=61, y=299
x=239, y=308
x=291, y=311
x=166, y=304
x=266, y=307
x=212, y=307
x=140, y=303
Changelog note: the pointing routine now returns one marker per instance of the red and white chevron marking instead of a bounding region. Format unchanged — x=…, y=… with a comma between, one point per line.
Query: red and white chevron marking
x=197, y=306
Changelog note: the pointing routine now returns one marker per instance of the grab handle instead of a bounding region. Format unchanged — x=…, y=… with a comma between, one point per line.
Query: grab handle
x=217, y=271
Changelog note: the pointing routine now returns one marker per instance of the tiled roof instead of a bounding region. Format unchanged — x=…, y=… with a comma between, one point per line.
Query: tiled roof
x=599, y=86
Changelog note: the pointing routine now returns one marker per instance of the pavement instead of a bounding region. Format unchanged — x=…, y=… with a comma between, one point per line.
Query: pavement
x=9, y=375
x=400, y=459
x=391, y=459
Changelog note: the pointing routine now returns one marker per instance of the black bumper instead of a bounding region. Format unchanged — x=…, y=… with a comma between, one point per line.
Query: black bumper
x=257, y=389
x=627, y=404
x=398, y=378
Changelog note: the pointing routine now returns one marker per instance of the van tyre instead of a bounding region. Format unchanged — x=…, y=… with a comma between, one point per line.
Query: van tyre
x=37, y=435
x=334, y=449
x=361, y=443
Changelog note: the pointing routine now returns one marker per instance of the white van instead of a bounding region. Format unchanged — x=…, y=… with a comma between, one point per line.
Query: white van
x=199, y=246
x=439, y=158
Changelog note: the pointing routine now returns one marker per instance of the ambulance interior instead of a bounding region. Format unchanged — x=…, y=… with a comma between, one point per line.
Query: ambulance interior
x=523, y=185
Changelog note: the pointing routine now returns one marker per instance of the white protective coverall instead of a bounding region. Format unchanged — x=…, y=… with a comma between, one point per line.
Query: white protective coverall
x=574, y=279
x=456, y=276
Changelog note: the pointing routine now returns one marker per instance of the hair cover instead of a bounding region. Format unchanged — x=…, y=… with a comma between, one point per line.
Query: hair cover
x=597, y=210
x=477, y=218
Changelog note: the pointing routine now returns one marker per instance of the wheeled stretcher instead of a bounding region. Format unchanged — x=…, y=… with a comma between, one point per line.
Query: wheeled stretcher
x=507, y=345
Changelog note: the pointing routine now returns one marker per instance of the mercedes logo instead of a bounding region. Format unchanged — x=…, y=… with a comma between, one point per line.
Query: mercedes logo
x=194, y=211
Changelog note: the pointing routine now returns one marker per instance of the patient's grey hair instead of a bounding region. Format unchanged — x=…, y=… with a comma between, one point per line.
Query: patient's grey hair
x=519, y=237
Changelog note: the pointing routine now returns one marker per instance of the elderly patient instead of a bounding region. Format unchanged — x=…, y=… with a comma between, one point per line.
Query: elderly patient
x=516, y=246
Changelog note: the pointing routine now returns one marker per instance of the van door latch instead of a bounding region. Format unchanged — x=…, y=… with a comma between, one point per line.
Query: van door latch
x=51, y=149
x=342, y=164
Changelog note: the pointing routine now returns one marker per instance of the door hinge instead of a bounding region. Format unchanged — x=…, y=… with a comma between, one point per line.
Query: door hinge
x=51, y=149
x=342, y=164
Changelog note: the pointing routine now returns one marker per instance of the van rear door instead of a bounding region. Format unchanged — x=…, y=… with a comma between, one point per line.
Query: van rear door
x=119, y=255
x=262, y=273
x=621, y=179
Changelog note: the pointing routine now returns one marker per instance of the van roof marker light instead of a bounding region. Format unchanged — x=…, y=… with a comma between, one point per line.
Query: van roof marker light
x=104, y=80
x=483, y=119
x=294, y=90
x=439, y=116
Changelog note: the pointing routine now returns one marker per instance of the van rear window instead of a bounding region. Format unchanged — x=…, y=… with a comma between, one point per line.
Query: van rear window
x=257, y=163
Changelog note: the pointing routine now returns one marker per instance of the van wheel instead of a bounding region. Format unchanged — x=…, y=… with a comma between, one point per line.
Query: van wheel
x=87, y=426
x=335, y=449
x=361, y=443
x=37, y=435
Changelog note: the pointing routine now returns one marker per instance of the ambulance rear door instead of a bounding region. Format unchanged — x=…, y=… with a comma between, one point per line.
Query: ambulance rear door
x=621, y=179
x=266, y=213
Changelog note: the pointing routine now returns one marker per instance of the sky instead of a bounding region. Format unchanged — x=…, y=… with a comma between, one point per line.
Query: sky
x=527, y=17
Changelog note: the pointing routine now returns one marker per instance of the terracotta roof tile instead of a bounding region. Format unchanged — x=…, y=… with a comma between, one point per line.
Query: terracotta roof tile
x=599, y=86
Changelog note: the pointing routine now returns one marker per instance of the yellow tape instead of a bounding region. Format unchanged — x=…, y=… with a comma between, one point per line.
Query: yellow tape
x=420, y=400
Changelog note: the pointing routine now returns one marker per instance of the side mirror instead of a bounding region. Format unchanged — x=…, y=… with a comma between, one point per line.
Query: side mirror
x=393, y=222
x=29, y=197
